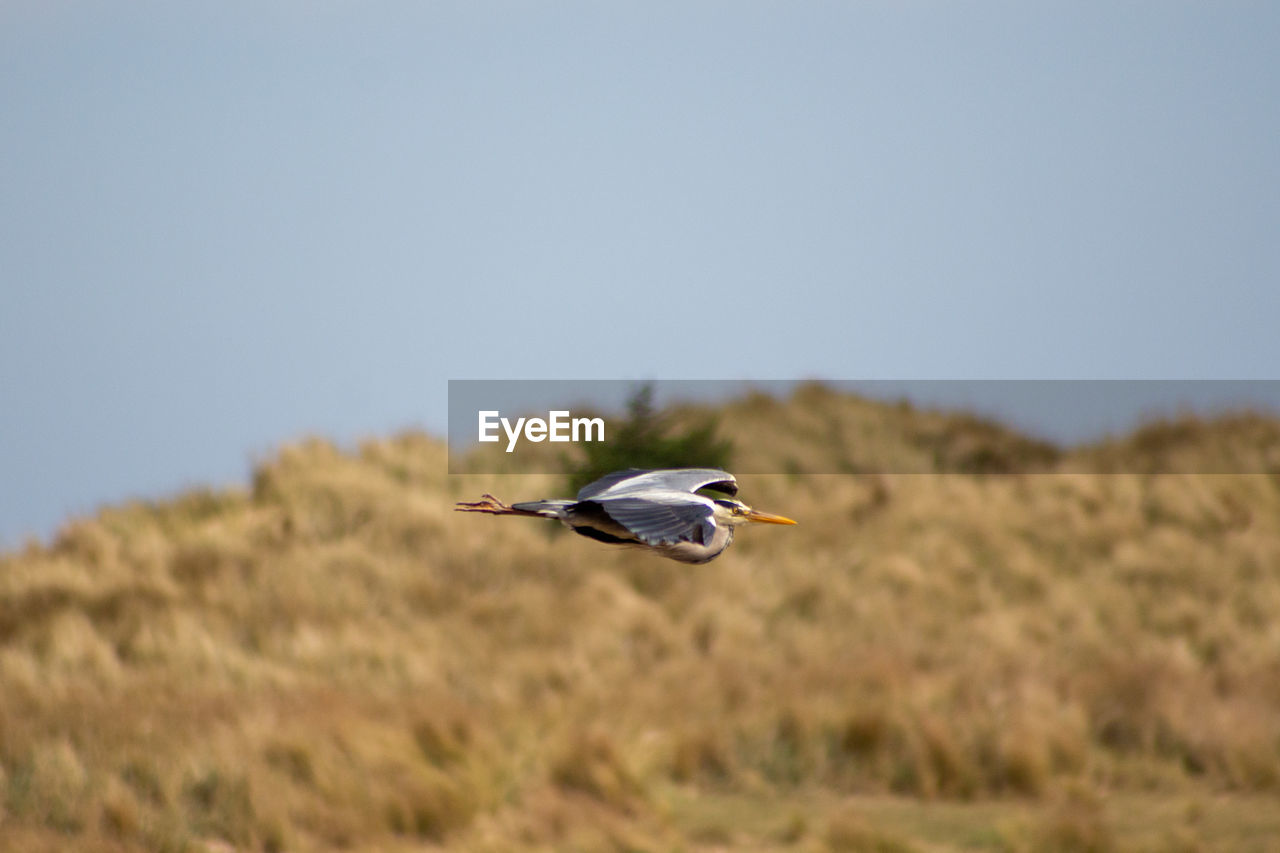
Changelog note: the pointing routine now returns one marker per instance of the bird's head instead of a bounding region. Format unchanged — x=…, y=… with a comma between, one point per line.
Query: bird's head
x=734, y=512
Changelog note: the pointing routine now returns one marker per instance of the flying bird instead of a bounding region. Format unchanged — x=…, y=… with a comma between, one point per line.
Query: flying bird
x=659, y=510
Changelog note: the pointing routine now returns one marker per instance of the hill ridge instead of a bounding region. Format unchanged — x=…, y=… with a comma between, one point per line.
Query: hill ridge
x=330, y=657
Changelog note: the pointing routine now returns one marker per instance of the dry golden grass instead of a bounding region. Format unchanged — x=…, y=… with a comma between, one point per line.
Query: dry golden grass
x=333, y=659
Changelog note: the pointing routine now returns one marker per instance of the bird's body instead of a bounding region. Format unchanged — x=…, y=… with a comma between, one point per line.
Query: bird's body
x=660, y=510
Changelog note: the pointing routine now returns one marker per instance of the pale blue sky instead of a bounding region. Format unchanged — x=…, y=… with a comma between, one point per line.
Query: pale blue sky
x=223, y=226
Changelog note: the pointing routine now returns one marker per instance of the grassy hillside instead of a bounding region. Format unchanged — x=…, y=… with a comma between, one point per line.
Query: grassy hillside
x=331, y=658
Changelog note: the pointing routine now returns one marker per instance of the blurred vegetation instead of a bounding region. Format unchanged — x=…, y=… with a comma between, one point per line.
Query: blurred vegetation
x=647, y=438
x=330, y=658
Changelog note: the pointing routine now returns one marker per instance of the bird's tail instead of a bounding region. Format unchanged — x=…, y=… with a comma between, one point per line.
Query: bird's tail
x=549, y=509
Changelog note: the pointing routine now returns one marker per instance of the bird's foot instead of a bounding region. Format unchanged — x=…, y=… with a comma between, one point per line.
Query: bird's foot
x=488, y=504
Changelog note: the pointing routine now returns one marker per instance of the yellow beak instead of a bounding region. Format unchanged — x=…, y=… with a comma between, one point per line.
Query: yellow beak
x=767, y=518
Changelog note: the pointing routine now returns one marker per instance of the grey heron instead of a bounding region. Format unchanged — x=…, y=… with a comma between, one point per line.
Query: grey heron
x=660, y=510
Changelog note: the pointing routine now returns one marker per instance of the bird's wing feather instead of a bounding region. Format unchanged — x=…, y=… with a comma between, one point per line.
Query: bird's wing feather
x=608, y=481
x=673, y=479
x=673, y=518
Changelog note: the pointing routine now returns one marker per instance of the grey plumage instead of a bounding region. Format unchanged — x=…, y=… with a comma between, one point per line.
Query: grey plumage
x=665, y=479
x=660, y=510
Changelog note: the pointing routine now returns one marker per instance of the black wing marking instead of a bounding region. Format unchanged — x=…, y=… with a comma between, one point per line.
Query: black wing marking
x=663, y=523
x=668, y=479
x=601, y=536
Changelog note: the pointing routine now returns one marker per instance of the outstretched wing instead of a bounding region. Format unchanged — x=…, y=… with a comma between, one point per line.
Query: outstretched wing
x=670, y=518
x=665, y=479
